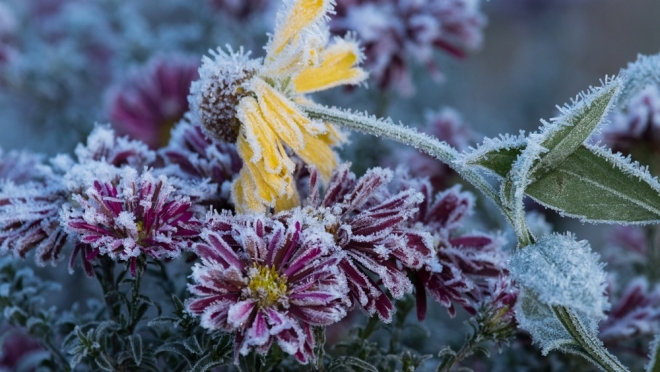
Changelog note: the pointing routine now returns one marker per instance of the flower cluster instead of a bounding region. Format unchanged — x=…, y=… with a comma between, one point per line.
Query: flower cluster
x=267, y=281
x=393, y=30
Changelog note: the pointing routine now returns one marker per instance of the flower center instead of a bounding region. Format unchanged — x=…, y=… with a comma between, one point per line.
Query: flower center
x=217, y=92
x=266, y=285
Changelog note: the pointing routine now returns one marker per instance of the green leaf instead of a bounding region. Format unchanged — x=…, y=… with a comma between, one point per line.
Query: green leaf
x=597, y=186
x=135, y=342
x=499, y=160
x=654, y=351
x=564, y=135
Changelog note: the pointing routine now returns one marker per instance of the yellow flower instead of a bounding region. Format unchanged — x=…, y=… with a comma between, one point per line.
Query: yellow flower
x=255, y=103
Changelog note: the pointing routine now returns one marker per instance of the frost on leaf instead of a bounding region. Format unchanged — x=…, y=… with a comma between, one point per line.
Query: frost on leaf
x=638, y=75
x=558, y=271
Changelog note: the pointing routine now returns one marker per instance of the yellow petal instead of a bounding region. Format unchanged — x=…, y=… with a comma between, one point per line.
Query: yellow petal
x=318, y=153
x=244, y=194
x=332, y=136
x=268, y=186
x=263, y=142
x=284, y=118
x=287, y=202
x=336, y=69
x=302, y=14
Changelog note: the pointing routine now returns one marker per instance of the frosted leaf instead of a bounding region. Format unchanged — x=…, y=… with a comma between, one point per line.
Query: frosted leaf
x=536, y=317
x=495, y=155
x=562, y=271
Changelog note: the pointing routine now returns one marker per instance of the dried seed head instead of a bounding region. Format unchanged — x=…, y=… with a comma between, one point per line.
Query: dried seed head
x=222, y=83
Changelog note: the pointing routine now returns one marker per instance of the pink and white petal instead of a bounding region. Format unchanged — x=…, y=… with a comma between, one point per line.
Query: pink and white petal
x=240, y=312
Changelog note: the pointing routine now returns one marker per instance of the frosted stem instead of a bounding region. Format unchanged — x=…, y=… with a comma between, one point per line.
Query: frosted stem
x=593, y=347
x=408, y=136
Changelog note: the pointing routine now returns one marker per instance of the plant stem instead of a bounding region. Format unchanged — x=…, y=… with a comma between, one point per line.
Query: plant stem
x=591, y=346
x=407, y=136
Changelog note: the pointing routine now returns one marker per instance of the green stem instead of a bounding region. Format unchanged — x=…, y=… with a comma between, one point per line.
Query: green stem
x=591, y=345
x=407, y=136
x=64, y=363
x=448, y=155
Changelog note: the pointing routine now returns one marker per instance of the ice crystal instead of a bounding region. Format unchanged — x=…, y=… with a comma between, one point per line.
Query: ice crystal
x=267, y=281
x=137, y=215
x=147, y=104
x=393, y=31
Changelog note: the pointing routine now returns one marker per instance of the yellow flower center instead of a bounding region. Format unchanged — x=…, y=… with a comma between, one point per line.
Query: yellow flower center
x=266, y=285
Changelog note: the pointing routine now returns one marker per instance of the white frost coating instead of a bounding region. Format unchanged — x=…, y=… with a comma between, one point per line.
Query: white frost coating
x=654, y=350
x=562, y=271
x=638, y=75
x=536, y=317
x=520, y=177
x=577, y=106
x=489, y=145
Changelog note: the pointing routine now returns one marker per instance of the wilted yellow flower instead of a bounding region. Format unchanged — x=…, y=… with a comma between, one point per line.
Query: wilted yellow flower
x=255, y=103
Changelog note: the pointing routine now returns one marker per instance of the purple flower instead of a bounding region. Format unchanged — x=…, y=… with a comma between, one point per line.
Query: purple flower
x=31, y=196
x=367, y=222
x=267, y=281
x=16, y=348
x=147, y=106
x=198, y=157
x=637, y=312
x=137, y=215
x=466, y=259
x=393, y=30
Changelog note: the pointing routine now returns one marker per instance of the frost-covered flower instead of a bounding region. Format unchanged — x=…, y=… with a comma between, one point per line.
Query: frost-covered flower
x=16, y=348
x=137, y=215
x=267, y=282
x=368, y=224
x=31, y=196
x=148, y=104
x=393, y=31
x=255, y=103
x=197, y=156
x=466, y=259
x=637, y=312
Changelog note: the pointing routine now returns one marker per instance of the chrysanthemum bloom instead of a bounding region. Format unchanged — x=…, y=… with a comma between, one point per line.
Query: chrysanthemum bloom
x=31, y=196
x=267, y=282
x=197, y=157
x=147, y=106
x=367, y=222
x=255, y=104
x=138, y=215
x=394, y=31
x=466, y=258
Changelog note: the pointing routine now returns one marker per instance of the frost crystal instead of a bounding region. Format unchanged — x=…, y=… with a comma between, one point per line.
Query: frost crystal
x=267, y=282
x=562, y=271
